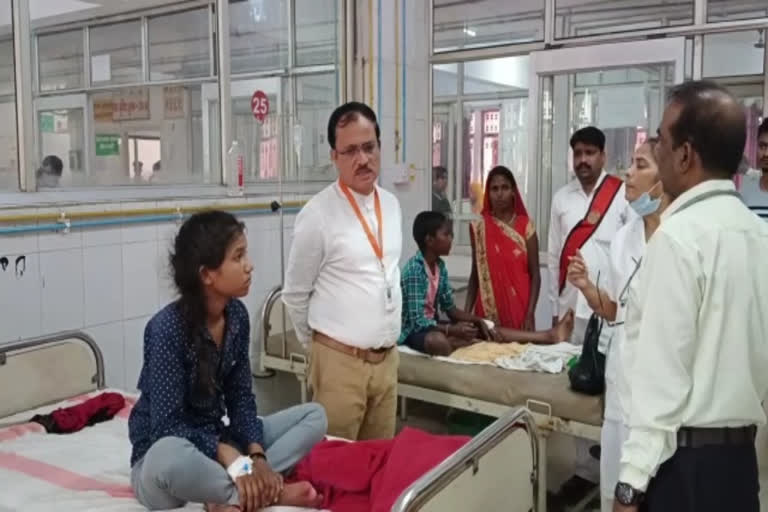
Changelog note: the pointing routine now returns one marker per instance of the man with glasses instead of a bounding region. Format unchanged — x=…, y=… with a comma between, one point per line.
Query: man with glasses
x=698, y=371
x=342, y=285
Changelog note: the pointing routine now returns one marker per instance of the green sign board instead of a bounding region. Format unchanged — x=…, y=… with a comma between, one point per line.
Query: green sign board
x=46, y=123
x=107, y=145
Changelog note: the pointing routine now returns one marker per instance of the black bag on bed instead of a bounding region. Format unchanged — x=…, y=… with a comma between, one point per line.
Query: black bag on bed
x=588, y=374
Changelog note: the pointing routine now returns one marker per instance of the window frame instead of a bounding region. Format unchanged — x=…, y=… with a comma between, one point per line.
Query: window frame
x=694, y=59
x=28, y=71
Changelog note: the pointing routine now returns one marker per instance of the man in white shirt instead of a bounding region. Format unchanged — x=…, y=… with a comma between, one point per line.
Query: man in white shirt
x=598, y=218
x=586, y=215
x=762, y=153
x=701, y=351
x=342, y=285
x=754, y=182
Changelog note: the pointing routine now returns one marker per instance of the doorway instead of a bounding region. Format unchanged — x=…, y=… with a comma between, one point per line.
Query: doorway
x=621, y=88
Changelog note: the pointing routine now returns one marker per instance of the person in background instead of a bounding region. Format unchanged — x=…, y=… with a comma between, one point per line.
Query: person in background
x=440, y=202
x=753, y=183
x=50, y=171
x=505, y=279
x=196, y=370
x=342, y=285
x=586, y=215
x=427, y=292
x=645, y=194
x=699, y=355
x=762, y=154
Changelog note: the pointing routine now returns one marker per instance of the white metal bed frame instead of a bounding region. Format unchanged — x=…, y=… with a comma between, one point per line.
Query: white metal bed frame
x=546, y=422
x=59, y=366
x=481, y=462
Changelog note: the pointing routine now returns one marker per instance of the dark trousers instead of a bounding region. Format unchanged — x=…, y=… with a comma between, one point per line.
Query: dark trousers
x=718, y=478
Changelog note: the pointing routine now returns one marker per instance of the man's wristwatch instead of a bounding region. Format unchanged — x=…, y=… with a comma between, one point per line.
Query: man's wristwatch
x=627, y=495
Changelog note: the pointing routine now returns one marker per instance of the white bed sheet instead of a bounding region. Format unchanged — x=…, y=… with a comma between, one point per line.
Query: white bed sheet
x=83, y=471
x=535, y=358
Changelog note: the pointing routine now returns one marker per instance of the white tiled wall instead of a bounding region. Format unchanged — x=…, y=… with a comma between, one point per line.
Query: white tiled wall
x=110, y=281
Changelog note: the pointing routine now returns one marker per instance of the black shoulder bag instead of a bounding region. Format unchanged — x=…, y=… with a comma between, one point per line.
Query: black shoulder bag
x=588, y=374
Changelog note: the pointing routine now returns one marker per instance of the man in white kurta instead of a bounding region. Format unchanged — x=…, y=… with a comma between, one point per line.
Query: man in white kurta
x=569, y=207
x=342, y=285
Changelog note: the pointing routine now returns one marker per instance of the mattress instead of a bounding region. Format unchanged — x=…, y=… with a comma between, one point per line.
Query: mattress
x=83, y=471
x=483, y=382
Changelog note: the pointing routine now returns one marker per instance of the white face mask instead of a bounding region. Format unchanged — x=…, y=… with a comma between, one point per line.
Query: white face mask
x=645, y=204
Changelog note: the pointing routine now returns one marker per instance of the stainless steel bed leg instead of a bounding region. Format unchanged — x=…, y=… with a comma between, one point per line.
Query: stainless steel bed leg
x=403, y=408
x=303, y=385
x=542, y=498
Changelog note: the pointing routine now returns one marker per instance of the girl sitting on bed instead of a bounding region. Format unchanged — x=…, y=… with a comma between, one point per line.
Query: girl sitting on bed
x=197, y=370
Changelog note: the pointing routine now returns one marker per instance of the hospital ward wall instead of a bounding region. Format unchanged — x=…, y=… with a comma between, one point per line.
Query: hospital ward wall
x=110, y=281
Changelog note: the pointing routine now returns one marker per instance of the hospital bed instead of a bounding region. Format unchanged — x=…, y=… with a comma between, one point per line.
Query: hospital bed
x=88, y=470
x=476, y=388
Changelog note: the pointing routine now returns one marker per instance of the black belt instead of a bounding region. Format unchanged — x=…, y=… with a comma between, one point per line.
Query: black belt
x=692, y=437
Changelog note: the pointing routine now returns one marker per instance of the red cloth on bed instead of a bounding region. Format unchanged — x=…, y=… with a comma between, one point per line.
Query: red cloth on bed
x=371, y=475
x=94, y=410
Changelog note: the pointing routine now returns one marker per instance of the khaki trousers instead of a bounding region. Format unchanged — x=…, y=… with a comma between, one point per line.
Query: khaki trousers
x=360, y=398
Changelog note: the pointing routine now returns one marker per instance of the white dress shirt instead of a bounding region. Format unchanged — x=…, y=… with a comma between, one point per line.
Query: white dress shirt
x=334, y=283
x=701, y=350
x=569, y=207
x=627, y=250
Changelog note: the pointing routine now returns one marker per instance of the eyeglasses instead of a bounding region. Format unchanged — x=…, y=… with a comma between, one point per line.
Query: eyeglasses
x=369, y=148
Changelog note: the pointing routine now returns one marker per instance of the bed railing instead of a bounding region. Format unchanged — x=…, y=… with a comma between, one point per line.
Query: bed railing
x=518, y=478
x=468, y=461
x=55, y=366
x=273, y=296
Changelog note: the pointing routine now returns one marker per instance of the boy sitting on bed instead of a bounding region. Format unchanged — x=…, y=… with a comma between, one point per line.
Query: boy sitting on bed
x=427, y=292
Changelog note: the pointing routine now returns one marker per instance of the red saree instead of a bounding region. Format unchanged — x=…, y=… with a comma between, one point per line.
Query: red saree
x=501, y=256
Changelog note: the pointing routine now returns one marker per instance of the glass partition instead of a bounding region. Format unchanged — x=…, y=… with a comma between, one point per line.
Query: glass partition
x=483, y=23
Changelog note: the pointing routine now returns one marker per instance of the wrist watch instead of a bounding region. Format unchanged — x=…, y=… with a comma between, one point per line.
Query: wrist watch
x=627, y=495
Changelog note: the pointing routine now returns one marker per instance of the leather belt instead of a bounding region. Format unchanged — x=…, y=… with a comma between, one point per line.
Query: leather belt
x=369, y=355
x=692, y=437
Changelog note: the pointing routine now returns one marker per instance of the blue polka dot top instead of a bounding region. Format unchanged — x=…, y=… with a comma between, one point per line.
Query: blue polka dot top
x=171, y=403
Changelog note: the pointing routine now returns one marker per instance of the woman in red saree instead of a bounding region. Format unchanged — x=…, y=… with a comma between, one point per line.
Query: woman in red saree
x=505, y=280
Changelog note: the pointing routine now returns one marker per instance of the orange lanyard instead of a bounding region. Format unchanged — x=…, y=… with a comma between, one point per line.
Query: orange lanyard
x=376, y=245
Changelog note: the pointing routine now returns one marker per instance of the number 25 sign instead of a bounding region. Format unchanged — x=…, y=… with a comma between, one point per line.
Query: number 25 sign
x=260, y=106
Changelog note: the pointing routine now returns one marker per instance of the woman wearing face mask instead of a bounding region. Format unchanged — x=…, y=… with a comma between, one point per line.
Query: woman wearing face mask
x=646, y=197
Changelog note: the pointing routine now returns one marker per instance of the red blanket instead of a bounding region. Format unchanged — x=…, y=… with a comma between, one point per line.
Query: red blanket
x=370, y=475
x=71, y=419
